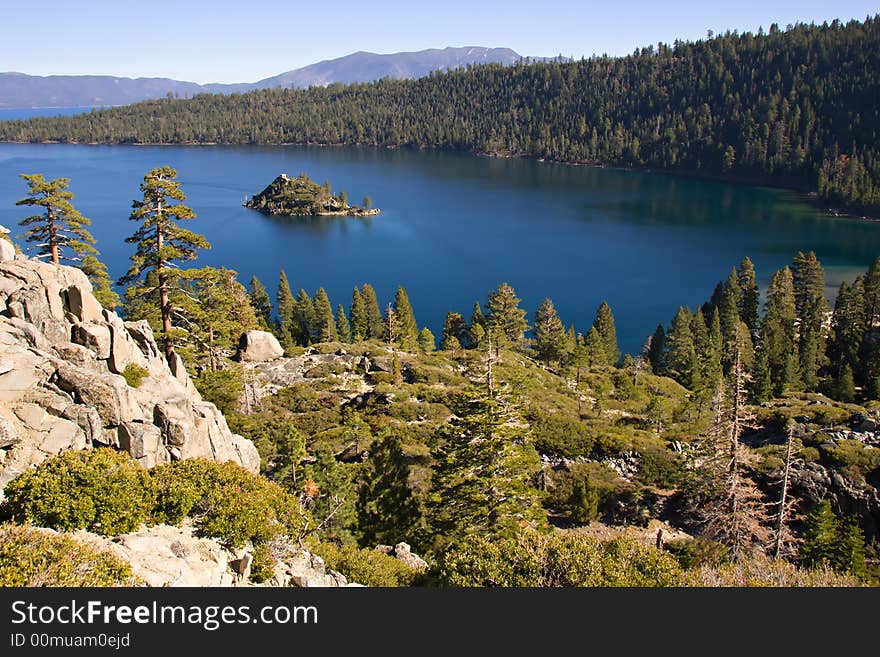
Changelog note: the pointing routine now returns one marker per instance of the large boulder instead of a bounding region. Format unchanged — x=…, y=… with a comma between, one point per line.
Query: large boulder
x=61, y=359
x=259, y=346
x=7, y=251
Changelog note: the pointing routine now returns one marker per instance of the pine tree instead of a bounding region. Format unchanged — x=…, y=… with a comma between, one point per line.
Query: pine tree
x=707, y=345
x=477, y=326
x=343, y=330
x=657, y=351
x=259, y=298
x=389, y=511
x=550, y=337
x=845, y=386
x=407, y=328
x=729, y=316
x=213, y=309
x=811, y=308
x=847, y=328
x=325, y=323
x=750, y=298
x=360, y=325
x=102, y=287
x=604, y=325
x=305, y=326
x=850, y=557
x=819, y=546
x=778, y=340
x=485, y=470
x=594, y=349
x=375, y=322
x=60, y=231
x=506, y=318
x=712, y=368
x=681, y=353
x=334, y=505
x=426, y=341
x=287, y=323
x=454, y=332
x=584, y=502
x=869, y=351
x=161, y=242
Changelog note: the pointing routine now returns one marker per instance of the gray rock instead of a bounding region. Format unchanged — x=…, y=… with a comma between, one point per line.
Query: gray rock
x=95, y=337
x=62, y=436
x=7, y=250
x=9, y=435
x=60, y=358
x=258, y=346
x=108, y=393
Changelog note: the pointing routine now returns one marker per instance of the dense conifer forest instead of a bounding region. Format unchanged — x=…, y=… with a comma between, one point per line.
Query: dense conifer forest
x=795, y=107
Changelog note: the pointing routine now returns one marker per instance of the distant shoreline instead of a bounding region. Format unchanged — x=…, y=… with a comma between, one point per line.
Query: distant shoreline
x=831, y=211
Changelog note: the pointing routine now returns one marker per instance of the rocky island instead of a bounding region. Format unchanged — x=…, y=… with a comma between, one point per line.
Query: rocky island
x=302, y=196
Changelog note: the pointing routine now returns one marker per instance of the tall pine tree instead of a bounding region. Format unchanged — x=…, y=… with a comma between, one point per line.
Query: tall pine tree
x=604, y=325
x=360, y=324
x=407, y=328
x=259, y=298
x=375, y=321
x=287, y=323
x=812, y=309
x=325, y=323
x=60, y=230
x=550, y=337
x=750, y=298
x=160, y=241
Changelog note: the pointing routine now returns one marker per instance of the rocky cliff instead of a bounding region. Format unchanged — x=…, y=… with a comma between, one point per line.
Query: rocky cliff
x=61, y=386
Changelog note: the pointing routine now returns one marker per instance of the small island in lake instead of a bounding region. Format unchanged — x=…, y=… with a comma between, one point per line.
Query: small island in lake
x=302, y=196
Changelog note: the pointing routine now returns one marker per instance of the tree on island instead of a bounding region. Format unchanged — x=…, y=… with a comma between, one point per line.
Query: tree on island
x=161, y=242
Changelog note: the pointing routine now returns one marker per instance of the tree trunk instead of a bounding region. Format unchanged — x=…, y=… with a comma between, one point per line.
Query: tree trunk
x=780, y=524
x=164, y=302
x=53, y=237
x=211, y=349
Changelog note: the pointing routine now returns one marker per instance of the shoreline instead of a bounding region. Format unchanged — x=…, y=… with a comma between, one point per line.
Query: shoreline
x=809, y=197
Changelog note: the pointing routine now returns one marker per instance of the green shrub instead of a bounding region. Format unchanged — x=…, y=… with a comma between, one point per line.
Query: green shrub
x=853, y=452
x=697, y=552
x=101, y=490
x=134, y=374
x=226, y=501
x=809, y=454
x=223, y=388
x=478, y=561
x=584, y=491
x=562, y=435
x=366, y=566
x=263, y=565
x=660, y=467
x=30, y=557
x=569, y=560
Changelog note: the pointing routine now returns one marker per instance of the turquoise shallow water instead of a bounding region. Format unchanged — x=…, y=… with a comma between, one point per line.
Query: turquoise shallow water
x=453, y=226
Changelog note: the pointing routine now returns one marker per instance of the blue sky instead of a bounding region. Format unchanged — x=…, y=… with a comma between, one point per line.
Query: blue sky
x=243, y=41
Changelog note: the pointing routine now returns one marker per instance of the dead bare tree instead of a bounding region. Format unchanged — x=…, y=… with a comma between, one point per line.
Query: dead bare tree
x=783, y=540
x=725, y=499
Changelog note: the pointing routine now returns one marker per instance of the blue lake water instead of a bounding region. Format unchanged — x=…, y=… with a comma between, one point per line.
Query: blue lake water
x=454, y=226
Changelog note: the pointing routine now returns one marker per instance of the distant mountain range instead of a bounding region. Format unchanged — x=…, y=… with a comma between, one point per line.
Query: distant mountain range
x=29, y=91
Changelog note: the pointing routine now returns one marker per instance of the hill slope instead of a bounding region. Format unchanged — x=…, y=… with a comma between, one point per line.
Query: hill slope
x=20, y=90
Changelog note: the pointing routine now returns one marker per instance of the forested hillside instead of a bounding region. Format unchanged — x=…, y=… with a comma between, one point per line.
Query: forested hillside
x=796, y=108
